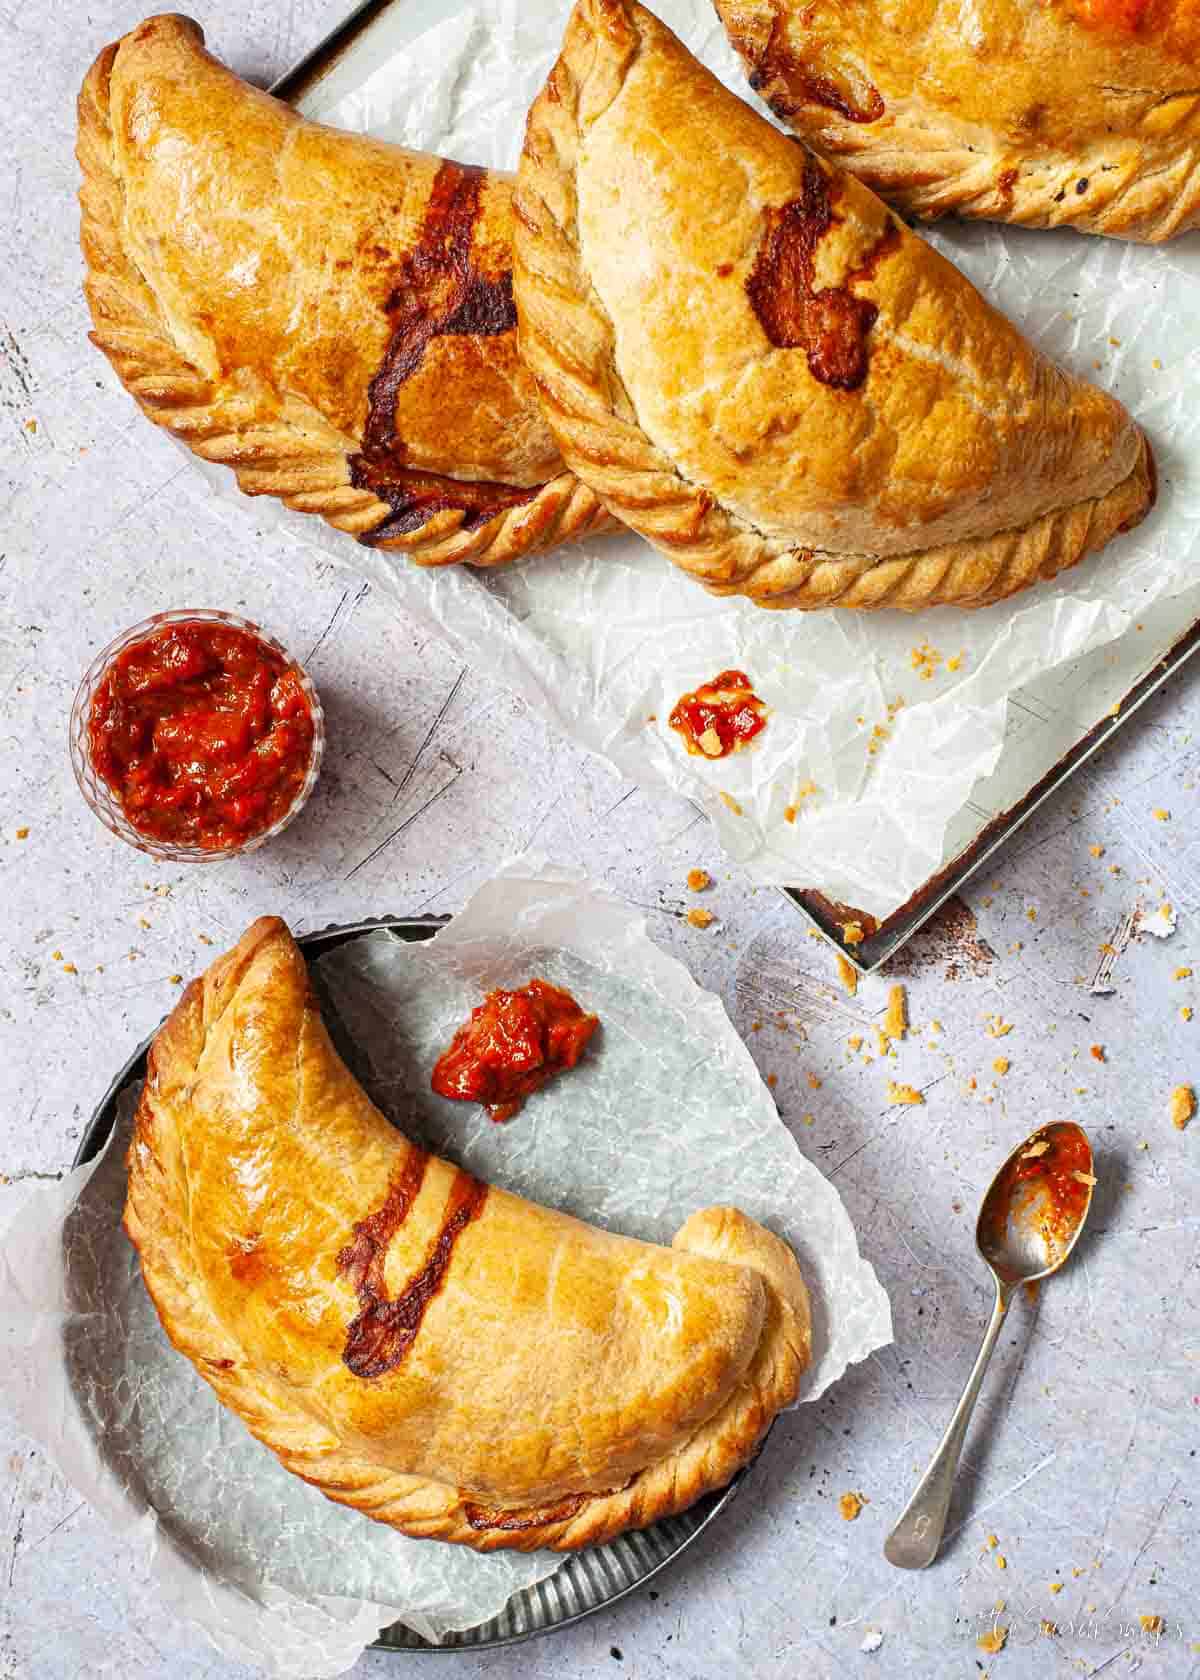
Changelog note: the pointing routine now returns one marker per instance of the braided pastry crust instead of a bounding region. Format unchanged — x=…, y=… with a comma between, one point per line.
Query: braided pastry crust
x=756, y=365
x=1048, y=113
x=326, y=315
x=559, y=1384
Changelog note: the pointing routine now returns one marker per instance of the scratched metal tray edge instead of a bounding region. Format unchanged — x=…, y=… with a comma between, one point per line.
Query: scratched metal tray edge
x=587, y=1581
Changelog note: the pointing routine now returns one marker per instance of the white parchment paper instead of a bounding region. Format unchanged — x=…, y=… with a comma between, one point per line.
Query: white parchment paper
x=665, y=1114
x=602, y=636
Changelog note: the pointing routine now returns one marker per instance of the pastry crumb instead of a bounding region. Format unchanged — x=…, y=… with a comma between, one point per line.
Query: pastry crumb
x=1096, y=1052
x=1183, y=1106
x=847, y=974
x=850, y=1504
x=852, y=933
x=855, y=1042
x=814, y=1084
x=1185, y=1011
x=699, y=880
x=1056, y=1586
x=1001, y=1064
x=23, y=832
x=1182, y=974
x=1048, y=1629
x=1150, y=1624
x=789, y=813
x=1161, y=815
x=1001, y=1561
x=993, y=1642
x=1096, y=851
x=906, y=1095
x=730, y=802
x=700, y=918
x=895, y=1021
x=177, y=979
x=993, y=1541
x=69, y=968
x=998, y=1027
x=809, y=1119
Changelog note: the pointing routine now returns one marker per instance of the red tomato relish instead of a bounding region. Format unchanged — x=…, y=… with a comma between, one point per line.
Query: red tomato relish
x=203, y=733
x=511, y=1045
x=720, y=717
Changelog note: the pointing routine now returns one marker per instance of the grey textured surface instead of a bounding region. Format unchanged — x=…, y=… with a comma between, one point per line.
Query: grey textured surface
x=1083, y=1460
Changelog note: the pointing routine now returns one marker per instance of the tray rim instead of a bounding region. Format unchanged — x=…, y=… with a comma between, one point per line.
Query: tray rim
x=893, y=931
x=412, y=929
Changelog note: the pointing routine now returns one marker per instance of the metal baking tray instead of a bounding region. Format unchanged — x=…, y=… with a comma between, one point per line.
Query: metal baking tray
x=588, y=1580
x=1053, y=727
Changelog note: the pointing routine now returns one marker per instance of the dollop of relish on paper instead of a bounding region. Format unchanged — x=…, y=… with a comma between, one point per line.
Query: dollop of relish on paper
x=720, y=717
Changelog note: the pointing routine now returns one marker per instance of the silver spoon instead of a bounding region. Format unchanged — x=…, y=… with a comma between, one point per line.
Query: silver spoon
x=1028, y=1224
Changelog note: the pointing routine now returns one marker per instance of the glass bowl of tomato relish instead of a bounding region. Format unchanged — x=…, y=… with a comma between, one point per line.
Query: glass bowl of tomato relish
x=195, y=736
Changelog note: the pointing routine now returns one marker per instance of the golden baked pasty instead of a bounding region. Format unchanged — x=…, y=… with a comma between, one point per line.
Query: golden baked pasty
x=759, y=367
x=440, y=1354
x=1078, y=113
x=330, y=316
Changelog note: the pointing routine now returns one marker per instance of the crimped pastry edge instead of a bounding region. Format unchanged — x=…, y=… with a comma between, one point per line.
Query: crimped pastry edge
x=567, y=342
x=155, y=1222
x=277, y=444
x=929, y=164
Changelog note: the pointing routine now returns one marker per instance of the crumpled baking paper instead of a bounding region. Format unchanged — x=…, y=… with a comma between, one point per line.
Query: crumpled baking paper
x=602, y=636
x=665, y=1114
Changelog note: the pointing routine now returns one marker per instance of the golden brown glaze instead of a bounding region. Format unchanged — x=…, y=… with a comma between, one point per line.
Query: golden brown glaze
x=791, y=394
x=1084, y=113
x=444, y=1356
x=328, y=315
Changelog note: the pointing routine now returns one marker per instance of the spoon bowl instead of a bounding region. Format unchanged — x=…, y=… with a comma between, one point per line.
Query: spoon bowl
x=1035, y=1207
x=1029, y=1222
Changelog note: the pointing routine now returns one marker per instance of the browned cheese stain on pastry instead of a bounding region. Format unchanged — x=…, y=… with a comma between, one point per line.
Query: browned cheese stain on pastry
x=806, y=85
x=438, y=294
x=831, y=326
x=530, y=1516
x=383, y=1332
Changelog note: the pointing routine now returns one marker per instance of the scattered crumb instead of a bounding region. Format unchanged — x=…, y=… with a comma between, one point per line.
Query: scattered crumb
x=895, y=1022
x=847, y=974
x=852, y=933
x=855, y=1042
x=1048, y=1629
x=1096, y=1052
x=729, y=801
x=1001, y=1561
x=850, y=1504
x=699, y=880
x=1185, y=1012
x=993, y=1642
x=1056, y=1586
x=809, y=1119
x=23, y=833
x=814, y=1084
x=1160, y=815
x=57, y=956
x=1183, y=1105
x=998, y=1027
x=904, y=1094
x=954, y=662
x=1032, y=913
x=700, y=918
x=177, y=979
x=1001, y=1064
x=69, y=968
x=1182, y=974
x=1151, y=1624
x=772, y=1081
x=1096, y=851
x=204, y=939
x=789, y=813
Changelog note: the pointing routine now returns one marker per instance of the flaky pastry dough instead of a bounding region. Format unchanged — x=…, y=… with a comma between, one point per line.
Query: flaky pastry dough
x=759, y=367
x=328, y=315
x=437, y=1353
x=1076, y=113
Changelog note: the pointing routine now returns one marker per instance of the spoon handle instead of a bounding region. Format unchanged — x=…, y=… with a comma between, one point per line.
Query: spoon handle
x=914, y=1542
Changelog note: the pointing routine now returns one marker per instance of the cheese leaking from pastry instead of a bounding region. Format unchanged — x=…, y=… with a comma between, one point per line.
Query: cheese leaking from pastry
x=1052, y=113
x=444, y=1356
x=760, y=368
x=328, y=315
